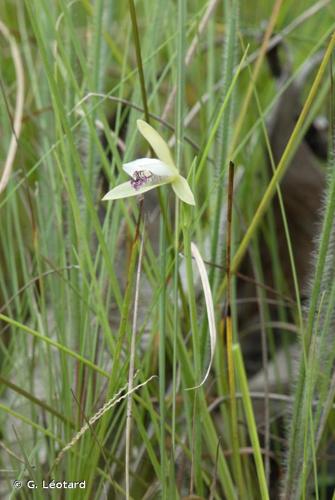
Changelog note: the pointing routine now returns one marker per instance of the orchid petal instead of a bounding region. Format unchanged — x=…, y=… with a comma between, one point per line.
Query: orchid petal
x=182, y=189
x=156, y=167
x=157, y=143
x=126, y=189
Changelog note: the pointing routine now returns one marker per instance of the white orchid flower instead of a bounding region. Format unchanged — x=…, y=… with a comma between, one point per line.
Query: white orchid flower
x=149, y=173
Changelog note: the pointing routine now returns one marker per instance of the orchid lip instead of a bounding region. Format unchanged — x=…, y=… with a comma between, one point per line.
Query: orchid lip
x=140, y=178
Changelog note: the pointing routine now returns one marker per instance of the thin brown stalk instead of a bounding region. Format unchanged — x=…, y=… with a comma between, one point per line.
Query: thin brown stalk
x=139, y=58
x=229, y=226
x=229, y=338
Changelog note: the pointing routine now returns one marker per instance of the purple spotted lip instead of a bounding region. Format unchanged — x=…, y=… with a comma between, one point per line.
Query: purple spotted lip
x=141, y=177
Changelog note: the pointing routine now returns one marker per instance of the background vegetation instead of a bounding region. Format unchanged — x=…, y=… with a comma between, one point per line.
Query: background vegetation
x=92, y=292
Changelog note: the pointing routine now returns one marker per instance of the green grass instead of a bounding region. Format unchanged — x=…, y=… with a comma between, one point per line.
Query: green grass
x=85, y=317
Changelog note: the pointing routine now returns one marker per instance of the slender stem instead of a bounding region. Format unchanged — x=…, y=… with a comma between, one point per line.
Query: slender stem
x=139, y=59
x=132, y=364
x=229, y=226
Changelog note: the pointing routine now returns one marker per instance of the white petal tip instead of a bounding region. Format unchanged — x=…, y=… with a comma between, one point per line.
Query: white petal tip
x=183, y=190
x=106, y=198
